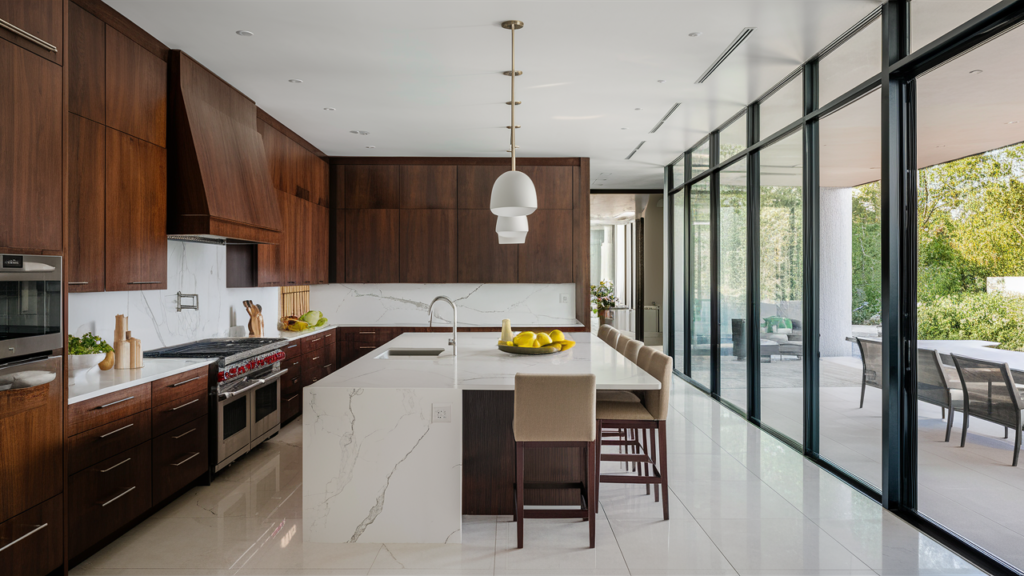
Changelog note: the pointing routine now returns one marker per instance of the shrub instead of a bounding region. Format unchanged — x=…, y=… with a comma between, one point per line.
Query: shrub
x=994, y=317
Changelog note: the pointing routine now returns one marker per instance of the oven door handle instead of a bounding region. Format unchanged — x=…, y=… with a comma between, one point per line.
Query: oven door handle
x=255, y=383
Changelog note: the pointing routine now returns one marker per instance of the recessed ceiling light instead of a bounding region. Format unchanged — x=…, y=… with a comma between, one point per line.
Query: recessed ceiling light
x=359, y=132
x=371, y=146
x=694, y=34
x=244, y=33
x=623, y=128
x=330, y=109
x=1012, y=121
x=635, y=108
x=295, y=81
x=661, y=81
x=975, y=72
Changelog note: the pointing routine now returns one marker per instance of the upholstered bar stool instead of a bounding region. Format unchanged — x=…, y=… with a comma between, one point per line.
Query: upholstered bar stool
x=612, y=337
x=621, y=343
x=649, y=416
x=603, y=331
x=555, y=411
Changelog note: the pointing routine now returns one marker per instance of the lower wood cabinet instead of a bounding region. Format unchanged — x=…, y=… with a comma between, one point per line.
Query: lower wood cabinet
x=179, y=457
x=176, y=413
x=107, y=495
x=105, y=441
x=291, y=396
x=33, y=542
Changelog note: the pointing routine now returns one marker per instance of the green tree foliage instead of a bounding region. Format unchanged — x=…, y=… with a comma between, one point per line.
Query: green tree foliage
x=994, y=317
x=782, y=259
x=867, y=254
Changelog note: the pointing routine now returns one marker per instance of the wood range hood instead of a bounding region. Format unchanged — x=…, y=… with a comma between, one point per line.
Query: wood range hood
x=219, y=181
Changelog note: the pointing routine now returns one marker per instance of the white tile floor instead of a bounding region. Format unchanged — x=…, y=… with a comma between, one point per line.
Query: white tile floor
x=741, y=503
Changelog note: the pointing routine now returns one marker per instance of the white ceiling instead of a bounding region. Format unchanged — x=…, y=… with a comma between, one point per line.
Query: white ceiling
x=424, y=77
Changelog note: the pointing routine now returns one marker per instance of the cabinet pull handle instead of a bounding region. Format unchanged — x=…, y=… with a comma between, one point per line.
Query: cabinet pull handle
x=115, y=498
x=185, y=404
x=185, y=382
x=115, y=466
x=365, y=347
x=194, y=454
x=148, y=282
x=29, y=533
x=292, y=398
x=314, y=358
x=292, y=346
x=117, y=402
x=31, y=38
x=77, y=283
x=327, y=365
x=183, y=434
x=111, y=433
x=367, y=332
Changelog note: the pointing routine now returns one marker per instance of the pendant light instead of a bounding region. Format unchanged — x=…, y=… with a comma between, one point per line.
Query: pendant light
x=514, y=238
x=513, y=193
x=512, y=226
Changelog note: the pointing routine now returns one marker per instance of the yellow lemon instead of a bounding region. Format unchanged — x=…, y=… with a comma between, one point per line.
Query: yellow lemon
x=556, y=336
x=566, y=344
x=526, y=340
x=544, y=339
x=536, y=343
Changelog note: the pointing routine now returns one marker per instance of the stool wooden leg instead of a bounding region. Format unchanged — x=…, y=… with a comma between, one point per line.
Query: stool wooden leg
x=597, y=467
x=520, y=492
x=654, y=460
x=662, y=447
x=647, y=470
x=592, y=479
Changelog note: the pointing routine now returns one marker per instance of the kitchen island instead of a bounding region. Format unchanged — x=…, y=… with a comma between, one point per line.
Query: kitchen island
x=398, y=448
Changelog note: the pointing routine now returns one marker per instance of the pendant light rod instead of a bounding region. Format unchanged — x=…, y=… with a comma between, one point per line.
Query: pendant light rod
x=513, y=25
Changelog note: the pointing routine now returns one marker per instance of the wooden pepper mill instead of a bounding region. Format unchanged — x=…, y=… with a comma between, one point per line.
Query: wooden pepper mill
x=122, y=348
x=135, y=346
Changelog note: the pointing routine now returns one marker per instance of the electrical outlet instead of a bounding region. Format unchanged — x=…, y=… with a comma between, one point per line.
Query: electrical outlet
x=563, y=298
x=441, y=413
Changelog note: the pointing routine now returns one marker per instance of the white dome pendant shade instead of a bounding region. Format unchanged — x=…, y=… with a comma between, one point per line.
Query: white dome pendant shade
x=513, y=194
x=512, y=226
x=513, y=238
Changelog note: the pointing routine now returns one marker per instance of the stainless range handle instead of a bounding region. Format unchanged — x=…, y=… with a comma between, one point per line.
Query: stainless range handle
x=256, y=383
x=118, y=497
x=30, y=37
x=29, y=533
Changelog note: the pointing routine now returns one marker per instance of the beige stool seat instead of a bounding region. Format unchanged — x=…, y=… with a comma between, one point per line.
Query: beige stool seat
x=622, y=411
x=617, y=396
x=556, y=411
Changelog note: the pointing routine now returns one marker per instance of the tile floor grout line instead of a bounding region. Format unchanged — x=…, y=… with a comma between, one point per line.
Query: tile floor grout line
x=615, y=536
x=702, y=529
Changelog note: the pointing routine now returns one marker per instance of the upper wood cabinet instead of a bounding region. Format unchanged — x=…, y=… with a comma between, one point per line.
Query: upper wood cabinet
x=31, y=190
x=319, y=241
x=372, y=187
x=305, y=226
x=428, y=246
x=425, y=186
x=136, y=89
x=84, y=265
x=293, y=168
x=337, y=192
x=553, y=183
x=481, y=258
x=272, y=260
x=136, y=225
x=475, y=184
x=87, y=45
x=546, y=257
x=372, y=246
x=43, y=19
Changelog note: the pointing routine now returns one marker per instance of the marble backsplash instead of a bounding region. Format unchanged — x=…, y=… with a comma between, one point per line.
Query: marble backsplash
x=152, y=314
x=479, y=304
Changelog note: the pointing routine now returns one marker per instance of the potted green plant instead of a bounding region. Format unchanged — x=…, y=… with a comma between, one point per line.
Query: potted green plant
x=601, y=296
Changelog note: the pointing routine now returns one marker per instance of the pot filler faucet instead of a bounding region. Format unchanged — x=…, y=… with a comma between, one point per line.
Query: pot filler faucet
x=454, y=340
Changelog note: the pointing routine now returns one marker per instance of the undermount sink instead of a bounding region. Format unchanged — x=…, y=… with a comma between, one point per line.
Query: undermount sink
x=392, y=352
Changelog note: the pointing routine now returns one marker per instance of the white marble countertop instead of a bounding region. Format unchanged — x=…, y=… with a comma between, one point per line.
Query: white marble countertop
x=481, y=366
x=445, y=324
x=274, y=333
x=96, y=382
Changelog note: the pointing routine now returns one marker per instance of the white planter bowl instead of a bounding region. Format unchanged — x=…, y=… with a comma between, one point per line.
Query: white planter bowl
x=82, y=363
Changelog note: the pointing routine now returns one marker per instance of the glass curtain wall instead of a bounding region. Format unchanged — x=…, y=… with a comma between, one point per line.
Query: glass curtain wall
x=732, y=293
x=700, y=283
x=679, y=275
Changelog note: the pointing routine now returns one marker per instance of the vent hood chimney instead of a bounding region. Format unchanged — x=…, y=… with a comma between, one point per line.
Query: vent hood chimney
x=219, y=181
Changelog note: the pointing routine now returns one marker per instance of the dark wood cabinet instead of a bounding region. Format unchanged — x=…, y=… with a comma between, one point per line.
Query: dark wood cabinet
x=136, y=89
x=429, y=187
x=320, y=244
x=546, y=257
x=136, y=208
x=293, y=168
x=87, y=84
x=475, y=184
x=178, y=412
x=349, y=352
x=275, y=262
x=179, y=457
x=371, y=245
x=372, y=187
x=33, y=541
x=336, y=246
x=553, y=184
x=84, y=265
x=43, y=19
x=105, y=441
x=481, y=258
x=428, y=246
x=31, y=190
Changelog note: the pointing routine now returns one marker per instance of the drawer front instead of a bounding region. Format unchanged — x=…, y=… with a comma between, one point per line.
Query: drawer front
x=105, y=409
x=291, y=364
x=330, y=338
x=291, y=383
x=181, y=385
x=179, y=457
x=291, y=405
x=365, y=335
x=330, y=359
x=33, y=541
x=293, y=349
x=108, y=495
x=313, y=367
x=312, y=343
x=100, y=443
x=167, y=417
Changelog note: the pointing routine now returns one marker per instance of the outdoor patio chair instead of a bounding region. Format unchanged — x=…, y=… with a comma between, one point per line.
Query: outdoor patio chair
x=939, y=385
x=871, y=359
x=991, y=395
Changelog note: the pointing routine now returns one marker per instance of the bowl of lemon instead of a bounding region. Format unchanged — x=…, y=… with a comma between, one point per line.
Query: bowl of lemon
x=532, y=343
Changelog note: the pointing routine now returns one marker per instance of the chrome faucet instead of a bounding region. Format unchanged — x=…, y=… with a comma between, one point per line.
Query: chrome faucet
x=454, y=340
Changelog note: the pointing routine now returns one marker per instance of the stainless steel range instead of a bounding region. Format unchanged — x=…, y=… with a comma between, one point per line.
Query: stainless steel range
x=246, y=400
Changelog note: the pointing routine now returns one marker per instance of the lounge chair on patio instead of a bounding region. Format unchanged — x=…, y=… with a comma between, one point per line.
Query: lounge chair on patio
x=991, y=395
x=939, y=385
x=871, y=359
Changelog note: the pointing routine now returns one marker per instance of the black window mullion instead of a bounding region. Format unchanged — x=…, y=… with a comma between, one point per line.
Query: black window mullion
x=687, y=282
x=811, y=408
x=753, y=332
x=716, y=326
x=669, y=322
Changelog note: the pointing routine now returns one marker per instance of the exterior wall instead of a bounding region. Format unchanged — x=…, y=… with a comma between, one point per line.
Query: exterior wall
x=836, y=278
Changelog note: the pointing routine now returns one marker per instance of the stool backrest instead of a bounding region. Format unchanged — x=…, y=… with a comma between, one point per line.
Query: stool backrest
x=603, y=331
x=613, y=337
x=620, y=345
x=656, y=401
x=632, y=350
x=643, y=358
x=555, y=408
